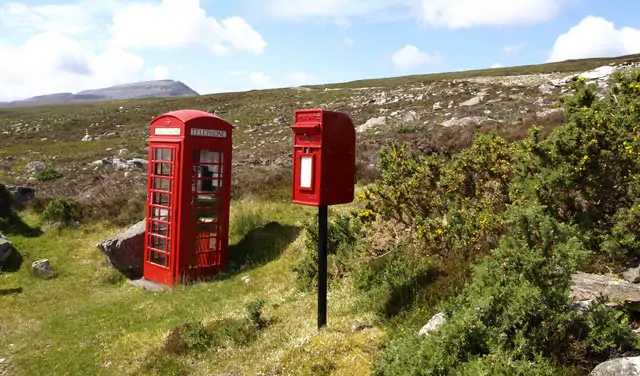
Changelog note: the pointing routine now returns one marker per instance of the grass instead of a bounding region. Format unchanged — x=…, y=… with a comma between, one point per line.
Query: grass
x=88, y=320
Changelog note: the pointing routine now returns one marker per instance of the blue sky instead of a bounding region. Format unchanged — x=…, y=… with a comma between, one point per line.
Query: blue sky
x=215, y=46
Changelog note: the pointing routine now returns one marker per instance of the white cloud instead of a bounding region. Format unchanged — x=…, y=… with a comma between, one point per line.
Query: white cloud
x=497, y=65
x=259, y=80
x=220, y=50
x=72, y=46
x=349, y=41
x=595, y=37
x=161, y=73
x=456, y=14
x=51, y=62
x=299, y=78
x=452, y=14
x=410, y=57
x=65, y=18
x=513, y=49
x=179, y=23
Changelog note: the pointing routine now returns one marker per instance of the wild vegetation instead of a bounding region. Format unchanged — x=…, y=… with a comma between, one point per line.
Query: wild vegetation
x=484, y=223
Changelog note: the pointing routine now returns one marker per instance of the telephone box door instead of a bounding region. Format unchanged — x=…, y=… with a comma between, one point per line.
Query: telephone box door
x=161, y=213
x=208, y=207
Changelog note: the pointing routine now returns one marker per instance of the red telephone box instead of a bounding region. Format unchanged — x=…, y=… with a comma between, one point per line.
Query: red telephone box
x=324, y=158
x=188, y=196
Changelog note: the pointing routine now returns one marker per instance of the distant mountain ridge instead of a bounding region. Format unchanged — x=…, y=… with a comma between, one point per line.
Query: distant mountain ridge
x=145, y=89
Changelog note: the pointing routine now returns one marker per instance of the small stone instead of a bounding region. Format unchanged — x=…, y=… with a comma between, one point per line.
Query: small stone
x=246, y=279
x=42, y=267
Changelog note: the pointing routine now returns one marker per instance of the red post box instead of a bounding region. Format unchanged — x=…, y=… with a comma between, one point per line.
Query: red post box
x=324, y=158
x=188, y=196
x=324, y=169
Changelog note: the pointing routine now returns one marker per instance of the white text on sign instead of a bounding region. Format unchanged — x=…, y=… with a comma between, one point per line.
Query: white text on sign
x=208, y=132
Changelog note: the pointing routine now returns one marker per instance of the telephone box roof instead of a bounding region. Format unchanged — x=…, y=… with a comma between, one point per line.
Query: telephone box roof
x=186, y=116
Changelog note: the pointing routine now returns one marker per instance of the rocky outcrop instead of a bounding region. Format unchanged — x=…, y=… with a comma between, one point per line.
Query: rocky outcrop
x=618, y=367
x=590, y=286
x=125, y=251
x=6, y=247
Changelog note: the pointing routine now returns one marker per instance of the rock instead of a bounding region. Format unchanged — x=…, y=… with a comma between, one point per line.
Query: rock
x=589, y=286
x=42, y=268
x=35, y=167
x=437, y=106
x=371, y=123
x=125, y=251
x=603, y=72
x=122, y=152
x=547, y=112
x=137, y=163
x=464, y=122
x=87, y=137
x=433, y=323
x=582, y=306
x=473, y=101
x=546, y=88
x=410, y=117
x=618, y=367
x=246, y=279
x=22, y=194
x=632, y=275
x=5, y=249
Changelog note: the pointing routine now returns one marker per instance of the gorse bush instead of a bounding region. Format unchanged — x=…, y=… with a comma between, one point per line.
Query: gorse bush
x=63, y=213
x=343, y=234
x=49, y=174
x=527, y=214
x=516, y=310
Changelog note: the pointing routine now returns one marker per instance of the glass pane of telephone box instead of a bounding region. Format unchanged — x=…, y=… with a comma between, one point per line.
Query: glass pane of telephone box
x=160, y=214
x=158, y=258
x=163, y=154
x=159, y=243
x=160, y=228
x=162, y=199
x=162, y=184
x=162, y=169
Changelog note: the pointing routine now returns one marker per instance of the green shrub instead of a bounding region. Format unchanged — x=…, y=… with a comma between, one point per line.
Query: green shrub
x=49, y=174
x=343, y=234
x=516, y=311
x=6, y=202
x=64, y=213
x=254, y=312
x=195, y=337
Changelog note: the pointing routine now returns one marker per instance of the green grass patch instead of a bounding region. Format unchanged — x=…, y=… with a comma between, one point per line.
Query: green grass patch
x=89, y=320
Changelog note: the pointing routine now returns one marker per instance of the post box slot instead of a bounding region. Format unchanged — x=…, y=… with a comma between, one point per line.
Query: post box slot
x=307, y=129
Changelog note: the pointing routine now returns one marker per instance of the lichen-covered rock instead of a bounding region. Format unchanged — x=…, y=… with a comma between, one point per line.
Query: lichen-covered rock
x=125, y=251
x=42, y=268
x=433, y=324
x=618, y=367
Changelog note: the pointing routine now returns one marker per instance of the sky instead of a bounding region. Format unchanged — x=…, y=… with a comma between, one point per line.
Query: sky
x=235, y=45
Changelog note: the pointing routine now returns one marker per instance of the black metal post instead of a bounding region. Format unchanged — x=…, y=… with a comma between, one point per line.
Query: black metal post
x=322, y=266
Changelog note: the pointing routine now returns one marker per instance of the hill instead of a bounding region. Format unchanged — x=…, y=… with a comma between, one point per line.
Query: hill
x=148, y=89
